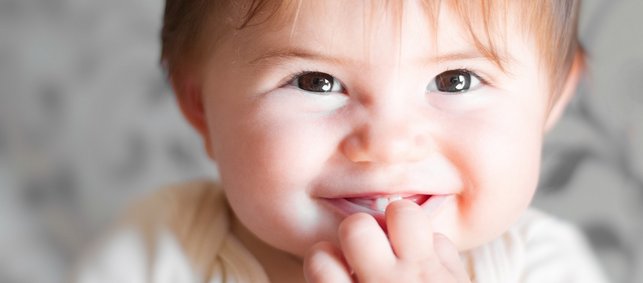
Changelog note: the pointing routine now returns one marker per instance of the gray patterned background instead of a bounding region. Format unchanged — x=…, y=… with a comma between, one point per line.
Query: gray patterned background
x=87, y=123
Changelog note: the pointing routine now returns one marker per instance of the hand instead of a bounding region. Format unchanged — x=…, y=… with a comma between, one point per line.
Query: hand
x=410, y=253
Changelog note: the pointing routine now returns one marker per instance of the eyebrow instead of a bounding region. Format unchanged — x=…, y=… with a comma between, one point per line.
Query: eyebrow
x=296, y=53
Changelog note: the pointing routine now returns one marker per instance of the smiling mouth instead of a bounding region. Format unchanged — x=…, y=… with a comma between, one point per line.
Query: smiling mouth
x=375, y=205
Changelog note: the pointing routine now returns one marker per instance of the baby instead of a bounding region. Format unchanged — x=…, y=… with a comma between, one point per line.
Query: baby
x=361, y=141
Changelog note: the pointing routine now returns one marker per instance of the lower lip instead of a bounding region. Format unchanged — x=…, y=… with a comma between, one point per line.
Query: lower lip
x=346, y=208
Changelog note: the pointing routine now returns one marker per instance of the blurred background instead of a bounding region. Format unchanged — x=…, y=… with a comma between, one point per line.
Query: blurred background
x=87, y=123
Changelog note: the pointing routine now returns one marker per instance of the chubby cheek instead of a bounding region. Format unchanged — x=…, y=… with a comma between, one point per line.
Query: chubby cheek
x=499, y=159
x=267, y=159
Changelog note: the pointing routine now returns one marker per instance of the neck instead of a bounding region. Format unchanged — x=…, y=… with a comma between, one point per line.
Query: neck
x=279, y=265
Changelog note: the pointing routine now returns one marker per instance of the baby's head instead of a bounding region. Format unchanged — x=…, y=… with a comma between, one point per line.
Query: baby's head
x=314, y=110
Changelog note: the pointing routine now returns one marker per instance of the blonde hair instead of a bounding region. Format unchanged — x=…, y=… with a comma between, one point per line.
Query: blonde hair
x=552, y=23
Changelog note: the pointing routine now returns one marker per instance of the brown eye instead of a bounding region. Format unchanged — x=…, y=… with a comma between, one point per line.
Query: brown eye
x=454, y=81
x=317, y=82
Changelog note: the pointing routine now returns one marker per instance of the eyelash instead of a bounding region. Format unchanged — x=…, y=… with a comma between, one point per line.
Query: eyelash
x=290, y=79
x=482, y=78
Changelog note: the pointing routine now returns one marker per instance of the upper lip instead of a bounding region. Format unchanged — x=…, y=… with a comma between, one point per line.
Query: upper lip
x=375, y=195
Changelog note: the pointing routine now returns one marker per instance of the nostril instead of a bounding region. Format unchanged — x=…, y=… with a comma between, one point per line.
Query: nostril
x=354, y=150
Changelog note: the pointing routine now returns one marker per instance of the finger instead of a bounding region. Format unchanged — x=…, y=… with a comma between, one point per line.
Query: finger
x=365, y=246
x=449, y=257
x=409, y=230
x=324, y=264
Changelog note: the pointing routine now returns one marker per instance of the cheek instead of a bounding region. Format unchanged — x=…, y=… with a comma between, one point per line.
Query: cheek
x=498, y=156
x=267, y=157
x=269, y=145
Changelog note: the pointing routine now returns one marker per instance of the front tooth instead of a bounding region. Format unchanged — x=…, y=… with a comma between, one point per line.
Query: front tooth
x=382, y=202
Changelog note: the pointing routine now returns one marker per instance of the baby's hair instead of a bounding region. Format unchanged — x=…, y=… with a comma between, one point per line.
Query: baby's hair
x=191, y=28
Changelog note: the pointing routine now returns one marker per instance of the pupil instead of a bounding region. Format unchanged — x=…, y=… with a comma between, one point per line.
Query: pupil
x=321, y=83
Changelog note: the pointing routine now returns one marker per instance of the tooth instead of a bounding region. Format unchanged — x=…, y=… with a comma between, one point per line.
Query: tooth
x=381, y=204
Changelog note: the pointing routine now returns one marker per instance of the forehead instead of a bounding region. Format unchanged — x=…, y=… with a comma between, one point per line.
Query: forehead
x=390, y=32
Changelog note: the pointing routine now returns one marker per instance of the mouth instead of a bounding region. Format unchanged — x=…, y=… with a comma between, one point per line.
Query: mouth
x=379, y=203
x=375, y=205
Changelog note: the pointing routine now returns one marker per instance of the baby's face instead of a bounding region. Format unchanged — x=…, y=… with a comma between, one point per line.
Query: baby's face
x=342, y=110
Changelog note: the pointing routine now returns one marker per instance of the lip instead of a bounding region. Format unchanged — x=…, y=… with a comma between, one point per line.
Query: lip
x=345, y=207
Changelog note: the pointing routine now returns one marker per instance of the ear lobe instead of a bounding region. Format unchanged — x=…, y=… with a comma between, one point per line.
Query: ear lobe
x=190, y=99
x=569, y=89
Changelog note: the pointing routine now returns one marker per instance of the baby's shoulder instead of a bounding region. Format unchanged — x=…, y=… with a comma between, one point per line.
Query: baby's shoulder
x=537, y=248
x=176, y=205
x=554, y=250
x=174, y=232
x=537, y=227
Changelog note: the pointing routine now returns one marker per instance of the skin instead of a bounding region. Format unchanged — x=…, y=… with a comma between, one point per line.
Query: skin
x=283, y=152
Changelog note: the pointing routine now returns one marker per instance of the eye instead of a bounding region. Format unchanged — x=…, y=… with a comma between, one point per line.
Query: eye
x=317, y=82
x=454, y=81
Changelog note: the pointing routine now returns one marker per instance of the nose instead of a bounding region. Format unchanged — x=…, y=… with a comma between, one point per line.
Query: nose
x=388, y=138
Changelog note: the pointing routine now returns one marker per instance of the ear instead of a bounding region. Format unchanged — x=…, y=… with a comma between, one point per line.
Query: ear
x=569, y=89
x=189, y=96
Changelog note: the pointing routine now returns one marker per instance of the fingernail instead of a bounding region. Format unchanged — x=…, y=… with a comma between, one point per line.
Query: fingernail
x=435, y=203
